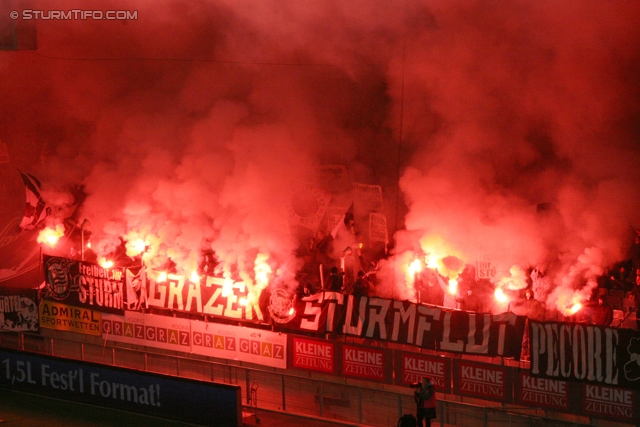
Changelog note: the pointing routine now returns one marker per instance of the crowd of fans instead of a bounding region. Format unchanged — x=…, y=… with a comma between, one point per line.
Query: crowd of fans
x=618, y=289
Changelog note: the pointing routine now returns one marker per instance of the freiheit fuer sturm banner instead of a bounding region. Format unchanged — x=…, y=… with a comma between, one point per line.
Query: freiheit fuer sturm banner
x=82, y=284
x=404, y=322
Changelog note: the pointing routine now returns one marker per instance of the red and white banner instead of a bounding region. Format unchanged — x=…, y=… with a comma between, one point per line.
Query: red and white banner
x=411, y=368
x=482, y=381
x=312, y=354
x=543, y=393
x=364, y=362
x=609, y=402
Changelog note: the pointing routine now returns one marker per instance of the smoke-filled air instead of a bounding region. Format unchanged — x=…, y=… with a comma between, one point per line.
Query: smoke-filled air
x=429, y=144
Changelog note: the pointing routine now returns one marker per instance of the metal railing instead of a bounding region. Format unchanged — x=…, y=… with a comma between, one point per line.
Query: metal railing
x=333, y=399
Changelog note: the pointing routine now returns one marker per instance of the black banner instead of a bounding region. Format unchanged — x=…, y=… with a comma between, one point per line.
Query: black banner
x=83, y=284
x=587, y=353
x=404, y=322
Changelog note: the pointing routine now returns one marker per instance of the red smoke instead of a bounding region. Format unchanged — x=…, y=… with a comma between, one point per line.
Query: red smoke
x=505, y=130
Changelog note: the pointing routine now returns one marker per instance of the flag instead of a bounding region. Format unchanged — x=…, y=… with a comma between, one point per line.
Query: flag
x=346, y=221
x=36, y=209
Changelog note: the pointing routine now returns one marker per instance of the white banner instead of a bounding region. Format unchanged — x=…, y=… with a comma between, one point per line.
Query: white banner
x=378, y=228
x=238, y=343
x=169, y=333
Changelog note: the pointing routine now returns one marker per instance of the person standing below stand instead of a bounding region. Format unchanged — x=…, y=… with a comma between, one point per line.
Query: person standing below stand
x=425, y=397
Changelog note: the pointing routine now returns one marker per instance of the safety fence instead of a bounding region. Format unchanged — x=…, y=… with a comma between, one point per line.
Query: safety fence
x=280, y=390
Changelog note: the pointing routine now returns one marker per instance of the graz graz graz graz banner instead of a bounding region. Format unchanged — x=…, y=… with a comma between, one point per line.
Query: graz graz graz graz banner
x=588, y=353
x=404, y=322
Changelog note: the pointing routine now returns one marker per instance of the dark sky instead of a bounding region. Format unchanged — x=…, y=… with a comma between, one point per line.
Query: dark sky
x=199, y=120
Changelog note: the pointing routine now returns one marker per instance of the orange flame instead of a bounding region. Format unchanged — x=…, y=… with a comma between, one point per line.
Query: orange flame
x=415, y=267
x=50, y=236
x=453, y=286
x=227, y=287
x=500, y=296
x=195, y=278
x=135, y=247
x=576, y=307
x=432, y=261
x=105, y=263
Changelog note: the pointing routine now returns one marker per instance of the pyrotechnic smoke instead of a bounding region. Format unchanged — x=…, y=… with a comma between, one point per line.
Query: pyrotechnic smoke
x=506, y=131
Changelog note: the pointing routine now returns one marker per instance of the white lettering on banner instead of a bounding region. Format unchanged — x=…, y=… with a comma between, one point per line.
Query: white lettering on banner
x=311, y=309
x=175, y=294
x=194, y=293
x=349, y=328
x=101, y=292
x=423, y=366
x=482, y=380
x=483, y=347
x=313, y=363
x=313, y=355
x=338, y=299
x=545, y=398
x=378, y=309
x=407, y=316
x=313, y=349
x=482, y=389
x=362, y=362
x=446, y=343
x=503, y=320
x=609, y=401
x=10, y=303
x=574, y=351
x=142, y=395
x=416, y=369
x=71, y=380
x=363, y=370
x=422, y=325
x=483, y=375
x=363, y=356
x=544, y=391
x=609, y=409
x=608, y=394
x=543, y=384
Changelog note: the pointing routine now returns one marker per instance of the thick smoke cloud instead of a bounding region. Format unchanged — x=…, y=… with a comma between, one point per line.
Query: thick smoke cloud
x=506, y=131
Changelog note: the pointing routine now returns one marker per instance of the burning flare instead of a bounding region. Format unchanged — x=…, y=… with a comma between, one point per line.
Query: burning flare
x=500, y=296
x=105, y=263
x=576, y=307
x=415, y=267
x=50, y=236
x=195, y=278
x=453, y=286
